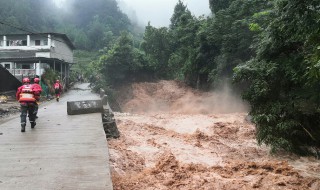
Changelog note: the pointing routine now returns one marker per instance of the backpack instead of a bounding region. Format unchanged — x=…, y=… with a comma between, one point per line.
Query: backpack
x=56, y=86
x=27, y=94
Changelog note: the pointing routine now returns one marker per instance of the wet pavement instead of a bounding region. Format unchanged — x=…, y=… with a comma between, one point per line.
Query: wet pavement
x=61, y=152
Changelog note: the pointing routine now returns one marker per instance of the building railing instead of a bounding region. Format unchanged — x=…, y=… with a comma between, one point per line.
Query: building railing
x=16, y=72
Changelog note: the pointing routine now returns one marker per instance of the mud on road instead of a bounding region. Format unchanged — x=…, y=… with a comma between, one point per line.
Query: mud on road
x=8, y=106
x=172, y=137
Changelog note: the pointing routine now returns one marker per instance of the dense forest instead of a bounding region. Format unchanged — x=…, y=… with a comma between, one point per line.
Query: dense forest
x=269, y=50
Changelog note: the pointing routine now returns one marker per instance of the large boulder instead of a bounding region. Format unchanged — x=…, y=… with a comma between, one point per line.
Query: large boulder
x=84, y=107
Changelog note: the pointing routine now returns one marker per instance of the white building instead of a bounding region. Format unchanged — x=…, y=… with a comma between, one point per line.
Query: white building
x=30, y=54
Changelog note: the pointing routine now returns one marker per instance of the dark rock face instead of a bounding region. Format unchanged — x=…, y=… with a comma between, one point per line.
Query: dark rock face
x=109, y=124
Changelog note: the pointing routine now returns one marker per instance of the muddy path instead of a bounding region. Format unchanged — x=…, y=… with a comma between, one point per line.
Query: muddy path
x=175, y=138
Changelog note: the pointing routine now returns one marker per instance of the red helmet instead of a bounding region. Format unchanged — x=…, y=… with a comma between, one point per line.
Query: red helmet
x=26, y=80
x=36, y=80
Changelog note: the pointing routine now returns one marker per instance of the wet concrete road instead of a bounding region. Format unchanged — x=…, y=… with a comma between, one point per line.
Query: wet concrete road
x=61, y=152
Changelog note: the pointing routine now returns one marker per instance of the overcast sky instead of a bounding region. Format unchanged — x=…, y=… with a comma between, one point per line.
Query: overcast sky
x=159, y=12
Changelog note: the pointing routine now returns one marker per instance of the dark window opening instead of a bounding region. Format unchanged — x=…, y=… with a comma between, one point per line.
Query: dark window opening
x=25, y=66
x=7, y=66
x=24, y=42
x=37, y=42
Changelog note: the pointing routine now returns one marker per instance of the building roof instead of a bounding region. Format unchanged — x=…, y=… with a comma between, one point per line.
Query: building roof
x=63, y=36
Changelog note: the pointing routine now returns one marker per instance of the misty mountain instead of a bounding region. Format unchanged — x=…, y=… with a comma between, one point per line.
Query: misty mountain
x=90, y=24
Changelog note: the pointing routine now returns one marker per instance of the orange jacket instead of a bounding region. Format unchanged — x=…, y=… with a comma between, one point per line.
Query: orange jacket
x=37, y=90
x=25, y=93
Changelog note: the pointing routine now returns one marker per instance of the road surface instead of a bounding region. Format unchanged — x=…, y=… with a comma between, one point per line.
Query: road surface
x=61, y=152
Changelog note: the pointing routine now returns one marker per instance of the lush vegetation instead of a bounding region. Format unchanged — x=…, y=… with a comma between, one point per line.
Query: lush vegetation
x=269, y=49
x=91, y=25
x=284, y=89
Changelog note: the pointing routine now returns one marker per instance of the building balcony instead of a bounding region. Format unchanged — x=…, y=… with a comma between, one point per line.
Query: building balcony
x=24, y=72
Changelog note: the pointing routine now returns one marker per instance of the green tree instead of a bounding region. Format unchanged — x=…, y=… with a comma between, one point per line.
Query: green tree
x=217, y=5
x=182, y=32
x=87, y=23
x=156, y=45
x=96, y=33
x=179, y=10
x=122, y=62
x=284, y=78
x=230, y=34
x=81, y=40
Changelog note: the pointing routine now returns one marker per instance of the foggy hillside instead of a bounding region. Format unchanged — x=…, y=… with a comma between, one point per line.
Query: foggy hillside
x=85, y=22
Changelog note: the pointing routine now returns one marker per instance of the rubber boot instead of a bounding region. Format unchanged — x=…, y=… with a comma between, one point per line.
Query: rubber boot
x=33, y=124
x=23, y=128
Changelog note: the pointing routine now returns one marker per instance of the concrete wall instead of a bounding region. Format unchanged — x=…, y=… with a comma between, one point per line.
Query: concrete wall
x=29, y=40
x=7, y=81
x=51, y=46
x=61, y=50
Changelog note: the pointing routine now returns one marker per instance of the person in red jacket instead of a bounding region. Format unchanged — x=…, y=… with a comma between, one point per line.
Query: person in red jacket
x=26, y=96
x=57, y=89
x=37, y=93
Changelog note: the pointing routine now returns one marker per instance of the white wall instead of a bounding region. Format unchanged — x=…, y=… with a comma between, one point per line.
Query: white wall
x=43, y=54
x=58, y=47
x=32, y=45
x=61, y=50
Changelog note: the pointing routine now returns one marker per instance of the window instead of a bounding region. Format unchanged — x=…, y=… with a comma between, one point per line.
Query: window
x=37, y=42
x=7, y=66
x=25, y=66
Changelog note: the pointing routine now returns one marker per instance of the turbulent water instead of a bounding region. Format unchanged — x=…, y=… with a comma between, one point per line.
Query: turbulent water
x=173, y=137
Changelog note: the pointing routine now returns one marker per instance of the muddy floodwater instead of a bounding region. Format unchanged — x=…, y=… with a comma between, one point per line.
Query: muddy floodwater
x=172, y=137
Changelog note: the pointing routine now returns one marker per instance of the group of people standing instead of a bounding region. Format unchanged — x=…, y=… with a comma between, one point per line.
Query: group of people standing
x=29, y=97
